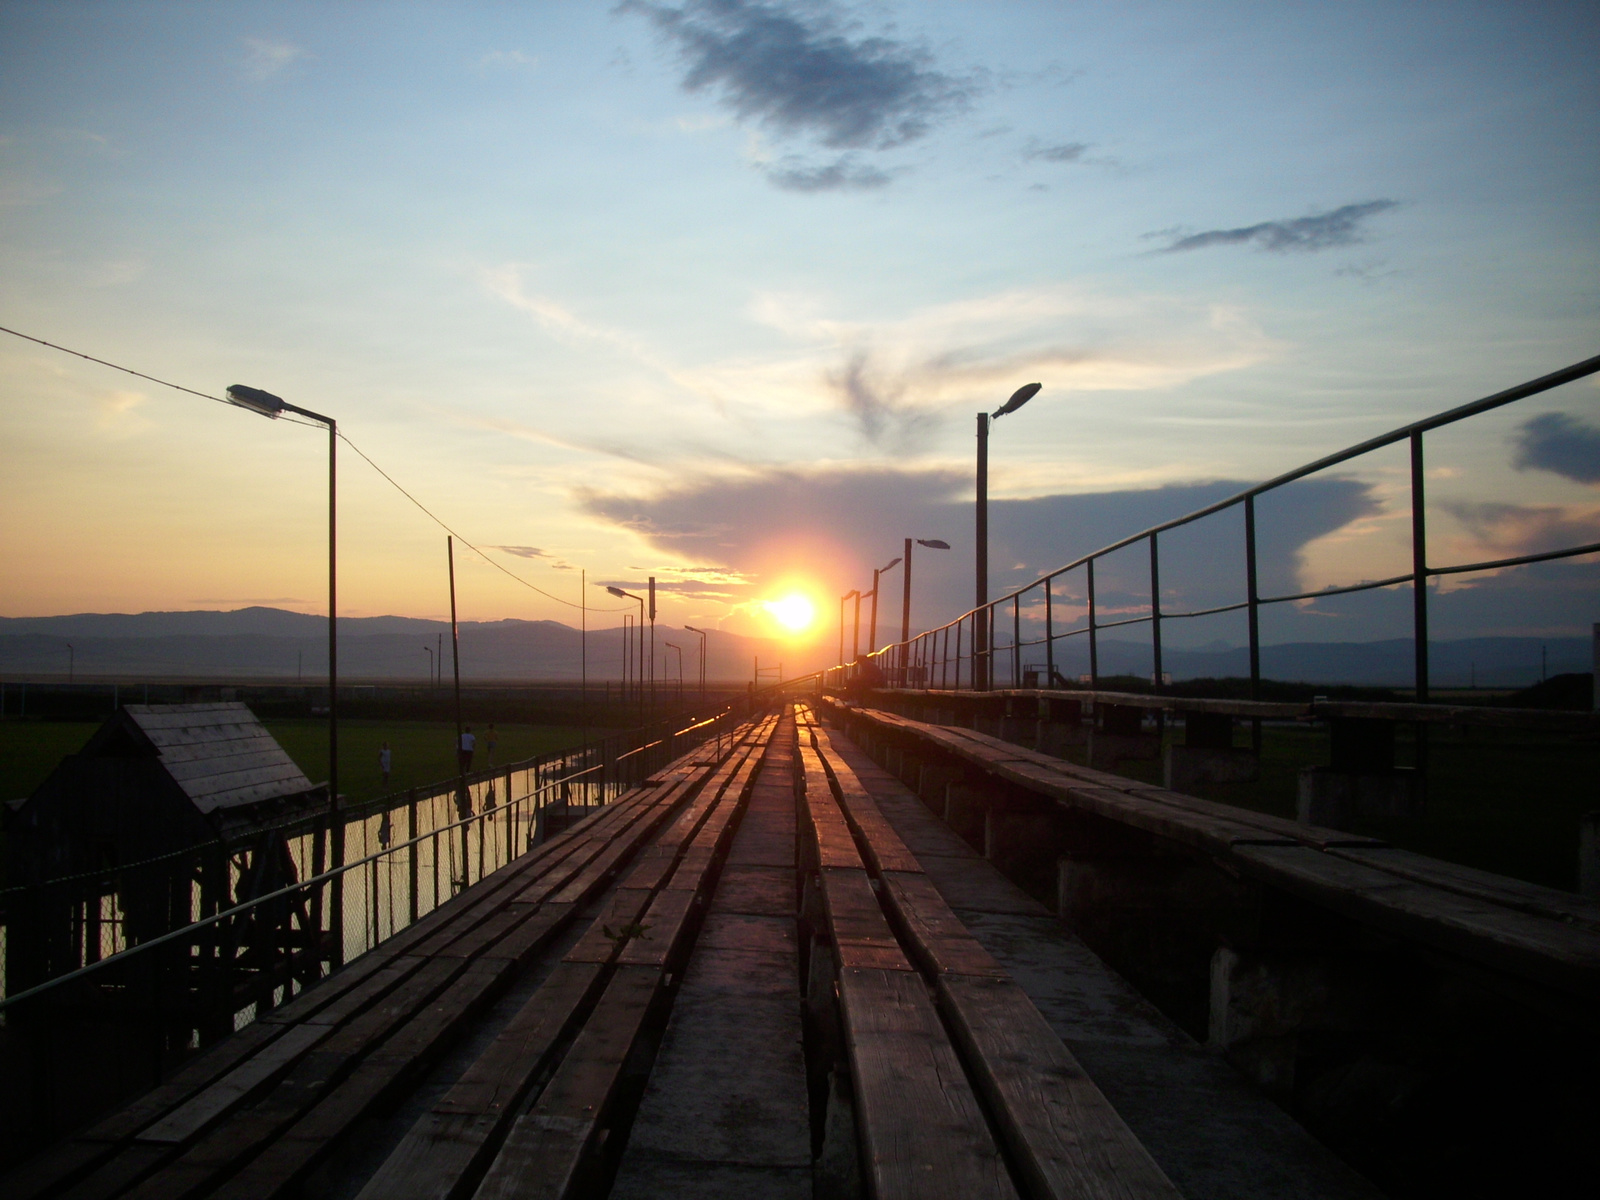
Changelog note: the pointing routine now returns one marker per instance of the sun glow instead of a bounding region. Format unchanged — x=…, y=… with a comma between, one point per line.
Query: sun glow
x=794, y=612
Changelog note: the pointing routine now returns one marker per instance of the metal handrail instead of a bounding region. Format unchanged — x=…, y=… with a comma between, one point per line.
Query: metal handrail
x=981, y=661
x=188, y=931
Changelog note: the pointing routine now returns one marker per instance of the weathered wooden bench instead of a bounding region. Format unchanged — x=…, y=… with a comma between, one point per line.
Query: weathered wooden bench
x=923, y=1133
x=254, y=1113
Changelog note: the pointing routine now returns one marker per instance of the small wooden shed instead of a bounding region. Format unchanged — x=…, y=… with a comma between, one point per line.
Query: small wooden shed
x=154, y=780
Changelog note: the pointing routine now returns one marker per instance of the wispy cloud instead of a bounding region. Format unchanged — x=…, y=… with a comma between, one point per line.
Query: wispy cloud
x=843, y=174
x=803, y=70
x=1560, y=443
x=1321, y=231
x=506, y=60
x=265, y=57
x=524, y=551
x=119, y=414
x=1064, y=152
x=894, y=377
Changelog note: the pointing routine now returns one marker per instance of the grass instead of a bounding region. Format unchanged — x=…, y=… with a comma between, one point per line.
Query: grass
x=1499, y=800
x=422, y=750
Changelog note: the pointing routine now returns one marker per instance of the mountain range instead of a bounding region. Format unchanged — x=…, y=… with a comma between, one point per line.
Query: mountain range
x=270, y=643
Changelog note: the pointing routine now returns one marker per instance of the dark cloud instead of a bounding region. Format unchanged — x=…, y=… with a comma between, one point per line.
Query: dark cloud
x=1321, y=231
x=876, y=404
x=843, y=174
x=835, y=525
x=1560, y=443
x=1066, y=152
x=798, y=70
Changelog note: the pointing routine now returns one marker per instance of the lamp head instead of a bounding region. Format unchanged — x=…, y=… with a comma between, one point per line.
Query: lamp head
x=617, y=592
x=933, y=543
x=1018, y=398
x=255, y=400
x=893, y=562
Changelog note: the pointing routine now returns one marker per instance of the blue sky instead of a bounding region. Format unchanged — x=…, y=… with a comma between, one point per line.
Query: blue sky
x=600, y=284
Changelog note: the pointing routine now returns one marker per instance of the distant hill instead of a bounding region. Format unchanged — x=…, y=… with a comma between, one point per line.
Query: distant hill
x=267, y=642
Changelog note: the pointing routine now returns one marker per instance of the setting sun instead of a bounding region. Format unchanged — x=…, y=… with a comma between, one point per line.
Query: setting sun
x=794, y=612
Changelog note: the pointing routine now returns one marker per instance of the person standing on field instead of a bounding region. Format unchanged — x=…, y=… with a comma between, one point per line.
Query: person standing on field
x=464, y=751
x=385, y=761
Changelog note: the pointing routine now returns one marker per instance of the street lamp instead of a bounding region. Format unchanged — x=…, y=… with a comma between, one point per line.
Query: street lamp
x=273, y=407
x=980, y=630
x=857, y=594
x=872, y=628
x=622, y=595
x=428, y=650
x=702, y=634
x=905, y=604
x=72, y=663
x=679, y=649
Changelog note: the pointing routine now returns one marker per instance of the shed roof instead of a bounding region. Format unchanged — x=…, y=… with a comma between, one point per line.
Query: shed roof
x=218, y=754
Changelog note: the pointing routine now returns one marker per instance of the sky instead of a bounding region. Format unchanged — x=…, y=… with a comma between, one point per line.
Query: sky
x=713, y=290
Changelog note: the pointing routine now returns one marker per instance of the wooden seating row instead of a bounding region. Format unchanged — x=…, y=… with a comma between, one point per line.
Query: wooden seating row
x=923, y=1130
x=275, y=1094
x=1536, y=933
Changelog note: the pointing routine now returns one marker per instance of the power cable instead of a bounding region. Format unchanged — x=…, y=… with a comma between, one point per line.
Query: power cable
x=343, y=437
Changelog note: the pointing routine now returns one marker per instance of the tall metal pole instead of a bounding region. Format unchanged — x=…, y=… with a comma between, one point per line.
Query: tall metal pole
x=463, y=797
x=583, y=653
x=652, y=645
x=336, y=826
x=872, y=624
x=905, y=620
x=980, y=623
x=855, y=635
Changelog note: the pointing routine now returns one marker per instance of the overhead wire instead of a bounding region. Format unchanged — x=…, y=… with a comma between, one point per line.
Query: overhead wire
x=343, y=437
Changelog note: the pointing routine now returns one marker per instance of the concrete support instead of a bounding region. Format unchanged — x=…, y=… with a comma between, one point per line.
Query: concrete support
x=1207, y=754
x=932, y=780
x=1023, y=845
x=963, y=811
x=1118, y=734
x=1589, y=854
x=1361, y=781
x=1263, y=1003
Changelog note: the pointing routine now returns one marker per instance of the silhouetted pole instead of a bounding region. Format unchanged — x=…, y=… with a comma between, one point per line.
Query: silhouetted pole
x=872, y=629
x=702, y=634
x=463, y=797
x=652, y=645
x=273, y=407
x=980, y=623
x=905, y=605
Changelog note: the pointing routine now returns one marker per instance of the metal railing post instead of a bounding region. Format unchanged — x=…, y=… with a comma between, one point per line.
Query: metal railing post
x=1155, y=614
x=1094, y=634
x=1253, y=615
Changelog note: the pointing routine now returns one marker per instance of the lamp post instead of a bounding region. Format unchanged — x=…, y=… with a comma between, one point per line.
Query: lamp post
x=428, y=650
x=622, y=595
x=702, y=634
x=980, y=624
x=842, y=659
x=273, y=407
x=72, y=663
x=872, y=627
x=905, y=604
x=679, y=649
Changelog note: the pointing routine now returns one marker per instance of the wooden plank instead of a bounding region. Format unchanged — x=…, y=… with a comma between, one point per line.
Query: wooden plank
x=854, y=914
x=609, y=930
x=405, y=1054
x=542, y=1154
x=661, y=929
x=884, y=849
x=938, y=937
x=236, y=1087
x=1063, y=1133
x=1568, y=907
x=923, y=1136
x=1563, y=957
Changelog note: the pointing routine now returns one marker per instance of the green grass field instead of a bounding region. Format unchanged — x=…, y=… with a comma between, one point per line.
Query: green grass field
x=29, y=750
